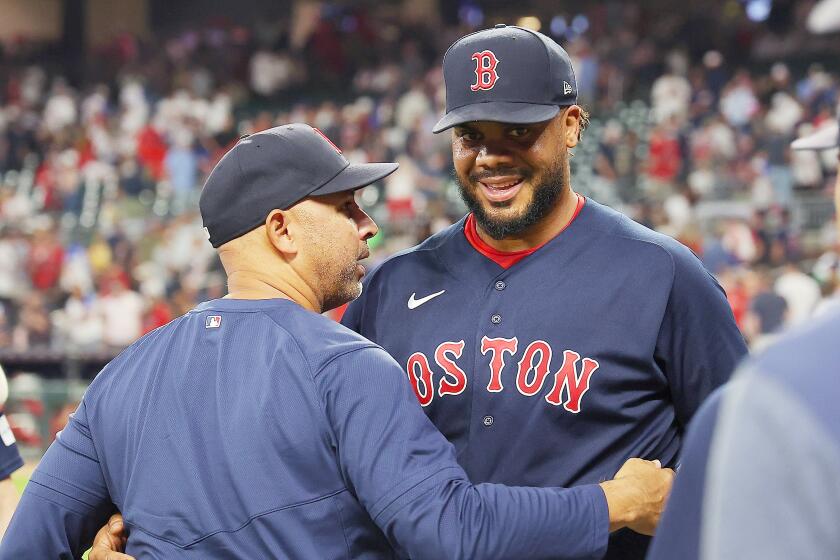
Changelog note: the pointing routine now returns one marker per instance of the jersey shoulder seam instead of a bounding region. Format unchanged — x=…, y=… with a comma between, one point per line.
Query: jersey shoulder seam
x=370, y=346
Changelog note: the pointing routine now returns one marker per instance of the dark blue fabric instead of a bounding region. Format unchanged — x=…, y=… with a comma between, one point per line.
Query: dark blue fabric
x=801, y=361
x=678, y=534
x=806, y=362
x=256, y=429
x=607, y=291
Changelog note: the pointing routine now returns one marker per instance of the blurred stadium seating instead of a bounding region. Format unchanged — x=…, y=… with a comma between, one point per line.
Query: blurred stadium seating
x=103, y=152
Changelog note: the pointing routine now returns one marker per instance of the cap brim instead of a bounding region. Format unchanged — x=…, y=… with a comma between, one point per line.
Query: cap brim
x=355, y=177
x=497, y=111
x=824, y=17
x=823, y=139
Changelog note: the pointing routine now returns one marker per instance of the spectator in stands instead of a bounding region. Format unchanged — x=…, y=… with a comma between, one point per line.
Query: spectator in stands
x=46, y=255
x=121, y=310
x=768, y=311
x=33, y=329
x=81, y=321
x=800, y=291
x=89, y=165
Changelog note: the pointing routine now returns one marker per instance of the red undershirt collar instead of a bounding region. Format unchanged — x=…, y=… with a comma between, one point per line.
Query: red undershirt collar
x=507, y=259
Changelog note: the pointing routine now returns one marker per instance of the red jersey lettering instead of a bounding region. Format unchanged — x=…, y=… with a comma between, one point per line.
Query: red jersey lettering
x=498, y=347
x=567, y=377
x=419, y=372
x=541, y=349
x=450, y=368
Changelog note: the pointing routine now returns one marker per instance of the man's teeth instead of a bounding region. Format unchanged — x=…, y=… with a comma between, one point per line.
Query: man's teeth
x=501, y=186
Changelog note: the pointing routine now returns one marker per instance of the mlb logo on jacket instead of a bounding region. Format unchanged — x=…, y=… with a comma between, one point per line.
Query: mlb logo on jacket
x=213, y=322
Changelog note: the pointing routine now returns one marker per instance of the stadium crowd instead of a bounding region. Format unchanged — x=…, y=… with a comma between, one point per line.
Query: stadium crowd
x=99, y=174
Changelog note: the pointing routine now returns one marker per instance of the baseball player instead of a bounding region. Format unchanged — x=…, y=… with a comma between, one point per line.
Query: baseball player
x=255, y=427
x=10, y=461
x=547, y=336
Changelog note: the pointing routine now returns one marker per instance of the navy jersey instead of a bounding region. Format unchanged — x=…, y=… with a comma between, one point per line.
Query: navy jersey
x=598, y=347
x=257, y=429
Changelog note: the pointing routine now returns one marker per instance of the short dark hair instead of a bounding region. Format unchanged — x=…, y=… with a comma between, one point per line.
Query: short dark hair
x=584, y=121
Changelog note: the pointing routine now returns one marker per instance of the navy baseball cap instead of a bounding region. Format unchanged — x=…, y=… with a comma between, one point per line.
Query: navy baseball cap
x=506, y=74
x=276, y=168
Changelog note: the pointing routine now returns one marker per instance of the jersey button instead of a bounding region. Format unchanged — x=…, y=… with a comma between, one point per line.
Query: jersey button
x=500, y=285
x=496, y=319
x=487, y=421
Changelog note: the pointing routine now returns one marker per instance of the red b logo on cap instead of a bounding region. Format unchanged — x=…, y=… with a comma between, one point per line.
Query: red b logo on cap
x=485, y=70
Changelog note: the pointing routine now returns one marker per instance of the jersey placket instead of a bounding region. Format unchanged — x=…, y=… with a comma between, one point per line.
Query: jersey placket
x=495, y=347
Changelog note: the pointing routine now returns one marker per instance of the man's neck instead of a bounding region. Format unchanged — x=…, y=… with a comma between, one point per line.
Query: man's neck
x=541, y=232
x=246, y=286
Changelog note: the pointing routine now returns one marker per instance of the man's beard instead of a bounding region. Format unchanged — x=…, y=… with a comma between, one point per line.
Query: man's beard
x=337, y=276
x=543, y=201
x=345, y=289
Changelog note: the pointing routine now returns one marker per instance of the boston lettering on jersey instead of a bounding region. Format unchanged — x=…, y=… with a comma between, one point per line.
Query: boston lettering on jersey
x=554, y=369
x=569, y=383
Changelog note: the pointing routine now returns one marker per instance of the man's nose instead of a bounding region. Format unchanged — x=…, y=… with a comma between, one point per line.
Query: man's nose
x=493, y=155
x=367, y=227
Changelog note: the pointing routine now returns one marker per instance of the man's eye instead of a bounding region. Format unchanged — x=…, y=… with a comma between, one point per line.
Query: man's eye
x=468, y=136
x=519, y=132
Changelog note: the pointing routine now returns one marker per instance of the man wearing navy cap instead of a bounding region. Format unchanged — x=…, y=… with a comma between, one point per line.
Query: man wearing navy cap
x=547, y=336
x=255, y=427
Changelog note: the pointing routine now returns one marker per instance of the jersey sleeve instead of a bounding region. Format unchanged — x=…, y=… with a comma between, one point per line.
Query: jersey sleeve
x=404, y=473
x=772, y=490
x=699, y=344
x=10, y=459
x=65, y=502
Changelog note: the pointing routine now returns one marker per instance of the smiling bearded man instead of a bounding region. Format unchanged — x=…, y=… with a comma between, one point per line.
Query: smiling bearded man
x=547, y=336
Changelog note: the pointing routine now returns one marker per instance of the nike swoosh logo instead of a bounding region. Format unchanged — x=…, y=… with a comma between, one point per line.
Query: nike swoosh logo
x=415, y=303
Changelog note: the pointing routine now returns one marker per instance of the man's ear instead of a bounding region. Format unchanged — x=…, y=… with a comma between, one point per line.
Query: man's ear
x=571, y=119
x=278, y=231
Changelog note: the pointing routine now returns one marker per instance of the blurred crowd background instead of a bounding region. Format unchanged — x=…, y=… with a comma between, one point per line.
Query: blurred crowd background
x=103, y=151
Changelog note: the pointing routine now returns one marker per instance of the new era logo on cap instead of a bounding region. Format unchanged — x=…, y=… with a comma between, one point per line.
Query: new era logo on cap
x=213, y=322
x=567, y=88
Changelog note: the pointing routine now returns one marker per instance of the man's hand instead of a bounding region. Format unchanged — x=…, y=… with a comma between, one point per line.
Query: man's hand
x=110, y=541
x=637, y=495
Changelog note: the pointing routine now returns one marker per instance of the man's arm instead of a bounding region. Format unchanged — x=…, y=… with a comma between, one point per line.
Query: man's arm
x=65, y=501
x=10, y=461
x=699, y=344
x=404, y=473
x=772, y=490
